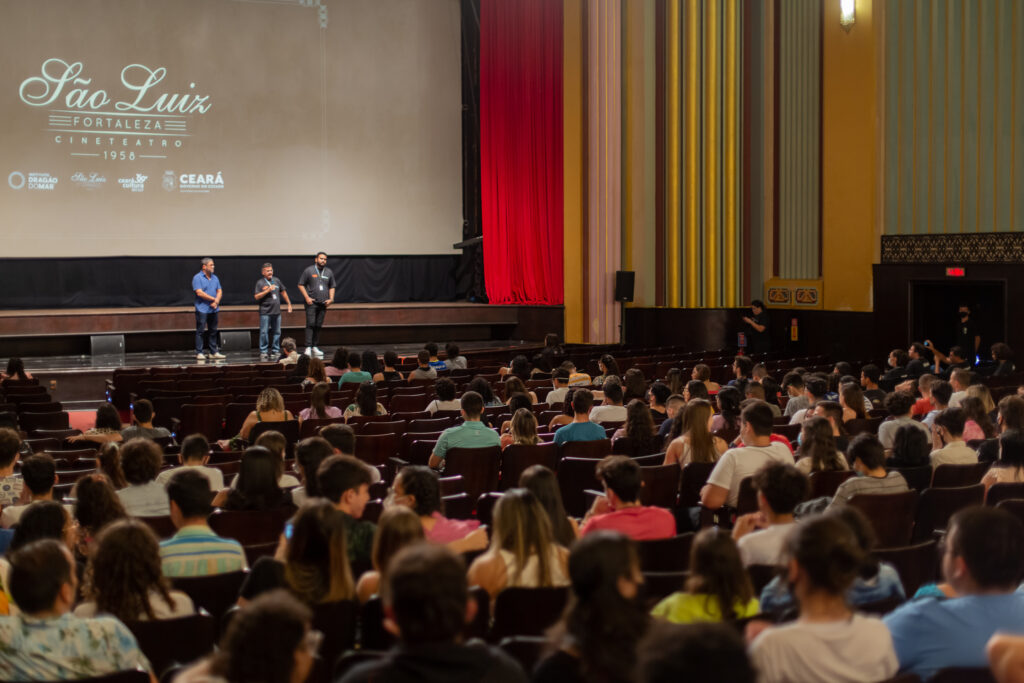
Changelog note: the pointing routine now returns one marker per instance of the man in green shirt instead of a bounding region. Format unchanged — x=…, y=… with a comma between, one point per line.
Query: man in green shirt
x=472, y=433
x=355, y=373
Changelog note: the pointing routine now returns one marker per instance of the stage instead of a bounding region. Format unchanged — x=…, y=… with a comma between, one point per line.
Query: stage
x=57, y=344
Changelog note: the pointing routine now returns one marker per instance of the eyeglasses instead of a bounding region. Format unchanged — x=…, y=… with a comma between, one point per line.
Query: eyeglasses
x=313, y=640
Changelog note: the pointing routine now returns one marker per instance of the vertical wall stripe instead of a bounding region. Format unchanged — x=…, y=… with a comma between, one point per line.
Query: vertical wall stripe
x=951, y=116
x=691, y=152
x=574, y=170
x=660, y=164
x=604, y=111
x=730, y=151
x=653, y=255
x=770, y=150
x=1017, y=117
x=712, y=153
x=673, y=251
x=799, y=143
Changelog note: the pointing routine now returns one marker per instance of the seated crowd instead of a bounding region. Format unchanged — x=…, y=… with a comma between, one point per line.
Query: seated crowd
x=764, y=562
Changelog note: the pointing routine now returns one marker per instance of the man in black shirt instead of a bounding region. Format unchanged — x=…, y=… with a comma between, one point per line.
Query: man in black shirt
x=269, y=292
x=869, y=376
x=317, y=286
x=756, y=328
x=967, y=337
x=918, y=364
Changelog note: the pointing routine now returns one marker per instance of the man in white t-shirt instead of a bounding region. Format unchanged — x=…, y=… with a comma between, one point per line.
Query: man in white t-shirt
x=611, y=410
x=959, y=379
x=723, y=487
x=948, y=440
x=195, y=453
x=560, y=382
x=815, y=389
x=760, y=536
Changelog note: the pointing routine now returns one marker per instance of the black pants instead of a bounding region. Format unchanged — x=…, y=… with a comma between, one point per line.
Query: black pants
x=314, y=321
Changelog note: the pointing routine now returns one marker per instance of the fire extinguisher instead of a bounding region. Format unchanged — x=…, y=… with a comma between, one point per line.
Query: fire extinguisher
x=794, y=330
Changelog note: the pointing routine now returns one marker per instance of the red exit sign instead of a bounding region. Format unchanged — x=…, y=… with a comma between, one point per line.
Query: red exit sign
x=956, y=271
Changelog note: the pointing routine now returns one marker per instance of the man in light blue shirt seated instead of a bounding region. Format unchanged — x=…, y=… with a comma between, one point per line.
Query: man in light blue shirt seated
x=581, y=428
x=355, y=373
x=196, y=550
x=472, y=433
x=983, y=561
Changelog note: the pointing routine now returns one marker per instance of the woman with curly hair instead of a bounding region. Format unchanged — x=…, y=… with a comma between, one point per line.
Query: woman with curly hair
x=639, y=428
x=106, y=429
x=729, y=399
x=311, y=561
x=124, y=577
x=96, y=506
x=108, y=461
x=817, y=451
x=609, y=368
x=481, y=386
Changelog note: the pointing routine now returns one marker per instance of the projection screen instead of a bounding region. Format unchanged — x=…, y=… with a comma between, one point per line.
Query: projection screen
x=185, y=127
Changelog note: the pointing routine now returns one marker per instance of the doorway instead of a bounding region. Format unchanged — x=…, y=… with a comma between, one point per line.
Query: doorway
x=933, y=311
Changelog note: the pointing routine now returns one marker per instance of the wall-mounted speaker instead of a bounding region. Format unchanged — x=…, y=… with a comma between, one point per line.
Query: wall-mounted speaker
x=624, y=282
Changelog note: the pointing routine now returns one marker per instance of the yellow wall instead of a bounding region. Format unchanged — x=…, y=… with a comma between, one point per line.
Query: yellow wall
x=850, y=144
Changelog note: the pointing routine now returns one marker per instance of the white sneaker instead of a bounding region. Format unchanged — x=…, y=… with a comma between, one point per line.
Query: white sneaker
x=218, y=356
x=264, y=357
x=309, y=351
x=317, y=353
x=200, y=356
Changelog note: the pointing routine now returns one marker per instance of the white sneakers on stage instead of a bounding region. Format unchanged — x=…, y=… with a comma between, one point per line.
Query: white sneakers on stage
x=314, y=352
x=218, y=356
x=200, y=356
x=308, y=351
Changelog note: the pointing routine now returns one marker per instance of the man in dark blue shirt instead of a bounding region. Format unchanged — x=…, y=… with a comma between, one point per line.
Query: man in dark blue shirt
x=208, y=293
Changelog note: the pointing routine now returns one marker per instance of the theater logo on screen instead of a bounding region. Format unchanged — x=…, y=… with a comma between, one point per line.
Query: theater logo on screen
x=89, y=181
x=135, y=184
x=194, y=182
x=31, y=181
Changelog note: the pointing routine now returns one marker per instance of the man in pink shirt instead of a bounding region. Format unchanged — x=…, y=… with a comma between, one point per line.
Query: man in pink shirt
x=619, y=509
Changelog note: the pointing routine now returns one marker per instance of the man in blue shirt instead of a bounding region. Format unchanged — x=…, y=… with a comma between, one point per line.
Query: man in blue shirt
x=581, y=428
x=983, y=561
x=208, y=294
x=472, y=433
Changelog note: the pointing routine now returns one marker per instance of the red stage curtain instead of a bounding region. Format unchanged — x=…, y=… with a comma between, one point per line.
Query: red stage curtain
x=521, y=150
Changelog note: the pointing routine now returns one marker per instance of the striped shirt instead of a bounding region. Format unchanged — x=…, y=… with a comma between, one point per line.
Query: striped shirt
x=196, y=551
x=892, y=482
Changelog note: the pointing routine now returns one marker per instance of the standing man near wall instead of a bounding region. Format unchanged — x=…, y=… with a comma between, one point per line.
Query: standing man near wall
x=208, y=294
x=269, y=292
x=317, y=286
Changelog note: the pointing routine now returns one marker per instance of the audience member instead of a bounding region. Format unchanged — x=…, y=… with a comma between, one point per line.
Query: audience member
x=634, y=386
x=656, y=399
x=691, y=437
x=899, y=404
x=728, y=419
x=371, y=365
x=194, y=454
x=275, y=442
x=817, y=451
x=814, y=391
x=106, y=428
x=389, y=373
x=694, y=653
x=977, y=424
x=311, y=562
x=398, y=527
x=522, y=429
x=96, y=505
x=1010, y=417
x=756, y=391
x=1008, y=469
x=560, y=384
x=269, y=640
x=454, y=360
x=195, y=550
x=523, y=552
x=355, y=373
x=320, y=407
x=702, y=373
x=269, y=408
x=833, y=412
x=366, y=404
x=142, y=423
x=309, y=453
x=717, y=589
x=639, y=429
x=723, y=486
x=911, y=447
x=793, y=384
x=674, y=405
x=597, y=637
x=609, y=367
x=938, y=398
x=45, y=642
x=869, y=376
x=339, y=363
x=290, y=354
x=423, y=369
x=40, y=474
x=345, y=482
x=543, y=483
x=983, y=560
x=1002, y=354
x=948, y=446
x=445, y=390
x=611, y=408
x=868, y=458
x=829, y=641
x=419, y=488
x=427, y=599
x=257, y=485
x=108, y=463
x=124, y=578
x=761, y=536
x=141, y=460
x=581, y=428
x=853, y=401
x=619, y=509
x=472, y=433
x=16, y=370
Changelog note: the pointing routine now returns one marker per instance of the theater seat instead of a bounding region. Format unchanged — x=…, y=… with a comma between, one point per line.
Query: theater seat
x=167, y=642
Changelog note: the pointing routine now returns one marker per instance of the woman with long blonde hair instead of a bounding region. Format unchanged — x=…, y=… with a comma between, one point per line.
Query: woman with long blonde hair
x=691, y=439
x=522, y=429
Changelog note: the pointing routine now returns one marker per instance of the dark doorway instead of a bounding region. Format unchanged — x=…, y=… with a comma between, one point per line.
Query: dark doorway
x=933, y=311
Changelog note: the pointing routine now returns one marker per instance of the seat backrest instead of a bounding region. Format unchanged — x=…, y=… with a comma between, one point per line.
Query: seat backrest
x=761, y=575
x=575, y=475
x=376, y=449
x=396, y=427
x=35, y=422
x=167, y=642
x=373, y=635
x=917, y=478
x=313, y=426
x=527, y=611
x=587, y=449
x=891, y=515
x=289, y=429
x=665, y=554
x=937, y=505
x=251, y=527
x=658, y=585
x=458, y=506
x=478, y=466
x=998, y=492
x=1013, y=506
x=205, y=419
x=960, y=674
x=691, y=481
x=946, y=476
x=661, y=485
x=917, y=564
x=438, y=424
x=516, y=459
x=161, y=525
x=215, y=593
x=746, y=501
x=826, y=483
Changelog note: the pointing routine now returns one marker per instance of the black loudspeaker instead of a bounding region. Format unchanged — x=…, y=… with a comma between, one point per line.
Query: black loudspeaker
x=235, y=341
x=624, y=281
x=106, y=344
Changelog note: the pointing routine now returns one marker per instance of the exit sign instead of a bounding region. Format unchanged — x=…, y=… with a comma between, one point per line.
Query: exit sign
x=955, y=271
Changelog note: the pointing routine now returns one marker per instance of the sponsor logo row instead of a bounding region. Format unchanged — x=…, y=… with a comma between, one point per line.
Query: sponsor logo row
x=91, y=180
